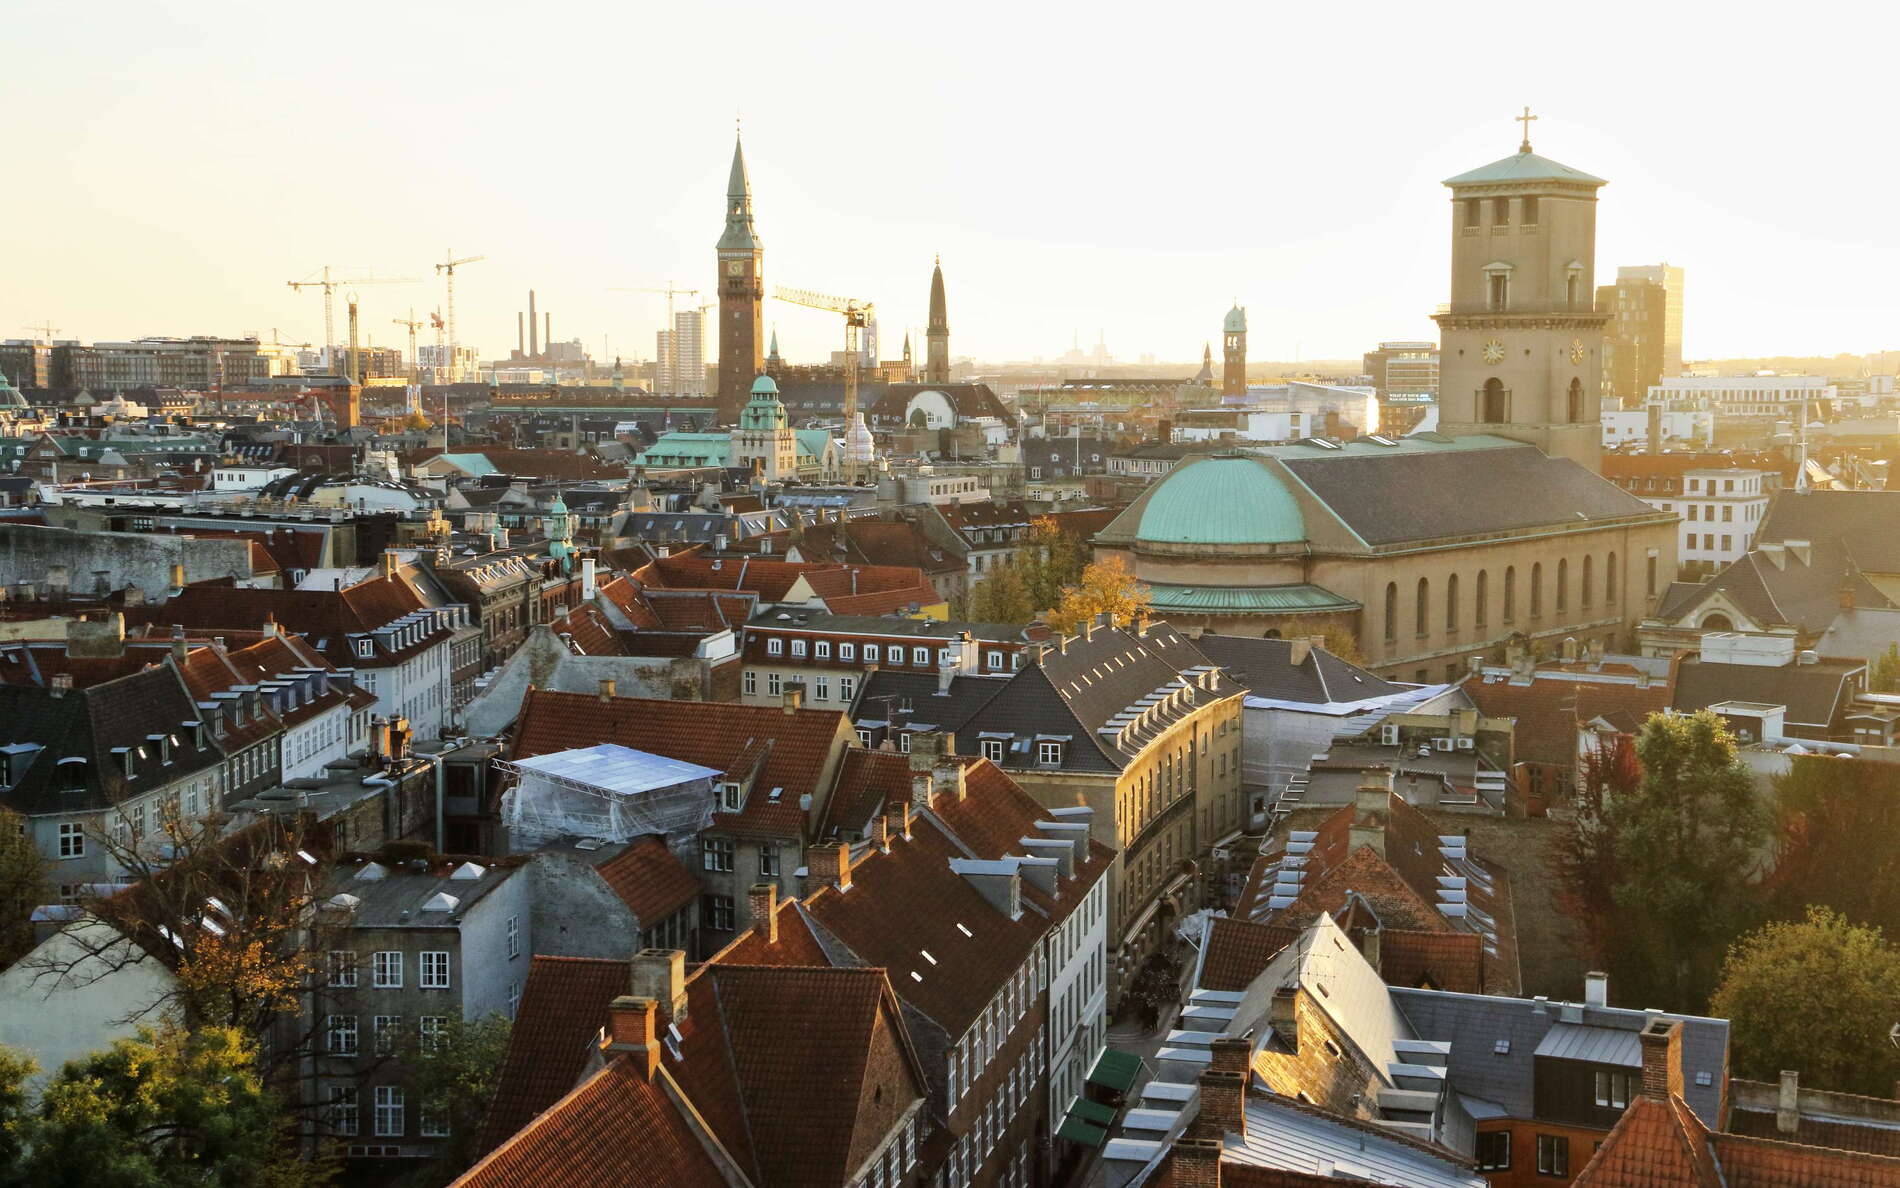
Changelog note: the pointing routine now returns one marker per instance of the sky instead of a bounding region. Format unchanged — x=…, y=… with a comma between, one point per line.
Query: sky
x=1114, y=171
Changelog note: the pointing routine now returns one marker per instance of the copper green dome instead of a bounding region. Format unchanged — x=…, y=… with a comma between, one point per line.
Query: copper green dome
x=1235, y=322
x=1224, y=499
x=764, y=385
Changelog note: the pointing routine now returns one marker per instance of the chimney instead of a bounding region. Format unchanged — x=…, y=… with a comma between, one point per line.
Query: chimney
x=1788, y=1105
x=828, y=864
x=1232, y=1054
x=1138, y=623
x=1662, y=1057
x=1371, y=939
x=899, y=818
x=762, y=901
x=921, y=786
x=178, y=577
x=180, y=649
x=58, y=582
x=1195, y=1162
x=1596, y=989
x=589, y=577
x=521, y=336
x=928, y=746
x=630, y=1029
x=881, y=834
x=1570, y=649
x=270, y=625
x=1371, y=802
x=660, y=974
x=389, y=564
x=1283, y=1016
x=607, y=689
x=534, y=342
x=946, y=675
x=62, y=683
x=1223, y=1105
x=1299, y=648
x=547, y=331
x=950, y=779
x=793, y=698
x=1655, y=443
x=96, y=637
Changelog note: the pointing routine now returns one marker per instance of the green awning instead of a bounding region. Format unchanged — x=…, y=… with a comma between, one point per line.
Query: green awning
x=1116, y=1070
x=1092, y=1111
x=1078, y=1131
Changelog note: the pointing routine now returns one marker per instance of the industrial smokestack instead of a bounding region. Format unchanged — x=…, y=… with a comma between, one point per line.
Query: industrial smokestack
x=547, y=336
x=521, y=336
x=534, y=347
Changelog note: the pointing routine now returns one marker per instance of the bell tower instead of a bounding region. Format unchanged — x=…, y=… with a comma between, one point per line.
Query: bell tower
x=1233, y=376
x=741, y=295
x=1521, y=342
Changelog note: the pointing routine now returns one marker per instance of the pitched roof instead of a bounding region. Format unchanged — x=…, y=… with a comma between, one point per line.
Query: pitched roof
x=649, y=880
x=589, y=631
x=1548, y=710
x=1265, y=667
x=1660, y=1143
x=1523, y=166
x=1812, y=693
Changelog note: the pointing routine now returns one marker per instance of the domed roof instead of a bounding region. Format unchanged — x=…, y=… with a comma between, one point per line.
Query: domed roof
x=764, y=386
x=1236, y=322
x=1224, y=499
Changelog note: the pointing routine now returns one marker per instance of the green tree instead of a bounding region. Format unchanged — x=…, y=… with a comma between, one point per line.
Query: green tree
x=16, y=1120
x=453, y=1080
x=1815, y=995
x=1582, y=850
x=1837, y=821
x=1000, y=598
x=165, y=1108
x=23, y=887
x=1688, y=844
x=1884, y=676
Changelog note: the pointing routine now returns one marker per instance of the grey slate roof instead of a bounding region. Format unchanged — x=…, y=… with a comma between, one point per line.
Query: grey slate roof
x=1474, y=1023
x=1419, y=494
x=1860, y=634
x=1868, y=520
x=1813, y=693
x=1262, y=666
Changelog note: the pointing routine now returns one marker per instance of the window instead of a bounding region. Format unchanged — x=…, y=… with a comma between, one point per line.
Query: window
x=768, y=858
x=718, y=912
x=339, y=1035
x=993, y=749
x=1451, y=603
x=920, y=657
x=1049, y=754
x=847, y=651
x=1563, y=584
x=1391, y=612
x=388, y=1029
x=731, y=798
x=1474, y=211
x=993, y=660
x=775, y=647
x=1609, y=578
x=514, y=998
x=1494, y=403
x=1650, y=587
x=435, y=970
x=389, y=1099
x=798, y=648
x=821, y=650
x=871, y=654
x=772, y=684
x=1537, y=589
x=751, y=682
x=1501, y=212
x=1500, y=290
x=847, y=688
x=1726, y=538
x=431, y=1030
x=342, y=968
x=821, y=687
x=514, y=936
x=386, y=970
x=1422, y=610
x=343, y=1121
x=1573, y=401
x=1553, y=1155
x=1479, y=609
x=72, y=839
x=434, y=1120
x=1494, y=1151
x=716, y=853
x=1530, y=211
x=1613, y=1089
x=1583, y=589
x=864, y=737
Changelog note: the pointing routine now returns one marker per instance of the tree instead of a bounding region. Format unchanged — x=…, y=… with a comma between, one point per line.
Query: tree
x=1345, y=645
x=416, y=422
x=168, y=1107
x=1000, y=598
x=16, y=1122
x=1688, y=845
x=453, y=1080
x=1834, y=815
x=1106, y=587
x=1815, y=995
x=1884, y=676
x=23, y=887
x=1046, y=560
x=1582, y=851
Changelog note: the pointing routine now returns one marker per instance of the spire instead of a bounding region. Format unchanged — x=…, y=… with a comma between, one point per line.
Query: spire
x=939, y=313
x=773, y=353
x=739, y=234
x=937, y=334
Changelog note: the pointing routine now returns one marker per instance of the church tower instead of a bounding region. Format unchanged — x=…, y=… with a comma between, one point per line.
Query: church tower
x=1233, y=376
x=1521, y=343
x=937, y=335
x=741, y=295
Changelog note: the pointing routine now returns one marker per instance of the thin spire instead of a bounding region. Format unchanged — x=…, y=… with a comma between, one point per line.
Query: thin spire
x=739, y=234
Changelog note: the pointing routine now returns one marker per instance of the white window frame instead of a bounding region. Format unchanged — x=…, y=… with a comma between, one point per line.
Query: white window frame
x=344, y=1112
x=820, y=687
x=386, y=969
x=775, y=646
x=340, y=1035
x=430, y=1031
x=993, y=659
x=72, y=840
x=1049, y=754
x=774, y=685
x=993, y=749
x=434, y=969
x=847, y=688
x=390, y=1102
x=920, y=657
x=514, y=937
x=433, y=1121
x=871, y=653
x=383, y=1032
x=821, y=649
x=751, y=682
x=798, y=649
x=343, y=968
x=847, y=651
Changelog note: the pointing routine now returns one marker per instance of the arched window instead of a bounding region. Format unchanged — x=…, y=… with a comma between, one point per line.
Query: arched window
x=1575, y=402
x=1391, y=612
x=1478, y=608
x=1451, y=603
x=1510, y=593
x=1609, y=579
x=1717, y=622
x=1537, y=589
x=1422, y=624
x=1272, y=633
x=1583, y=587
x=1493, y=403
x=1563, y=585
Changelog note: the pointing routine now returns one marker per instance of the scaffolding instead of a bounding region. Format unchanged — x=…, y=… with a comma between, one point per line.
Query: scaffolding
x=609, y=792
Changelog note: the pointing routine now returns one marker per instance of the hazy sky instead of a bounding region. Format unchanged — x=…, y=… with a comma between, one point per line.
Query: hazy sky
x=1080, y=168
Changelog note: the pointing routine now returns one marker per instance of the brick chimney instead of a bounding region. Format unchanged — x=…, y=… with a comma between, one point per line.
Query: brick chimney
x=660, y=974
x=899, y=818
x=1283, y=1016
x=1232, y=1054
x=1195, y=1162
x=631, y=1028
x=828, y=864
x=1223, y=1105
x=762, y=901
x=1371, y=803
x=881, y=834
x=1662, y=1057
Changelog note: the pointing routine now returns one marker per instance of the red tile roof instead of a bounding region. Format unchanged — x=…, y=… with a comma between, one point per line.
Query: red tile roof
x=844, y=589
x=1660, y=1143
x=805, y=746
x=561, y=1012
x=1238, y=950
x=589, y=631
x=649, y=880
x=796, y=945
x=1549, y=710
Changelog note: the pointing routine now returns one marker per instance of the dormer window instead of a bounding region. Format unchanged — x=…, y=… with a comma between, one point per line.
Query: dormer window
x=731, y=796
x=1049, y=754
x=774, y=647
x=365, y=649
x=847, y=651
x=821, y=650
x=870, y=653
x=798, y=648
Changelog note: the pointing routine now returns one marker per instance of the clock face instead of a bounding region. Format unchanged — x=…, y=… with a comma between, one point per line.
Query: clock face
x=735, y=267
x=1494, y=351
x=1576, y=350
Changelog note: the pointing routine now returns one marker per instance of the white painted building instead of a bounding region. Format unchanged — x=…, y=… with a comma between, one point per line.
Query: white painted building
x=1781, y=397
x=1720, y=510
x=246, y=478
x=1076, y=954
x=1630, y=426
x=405, y=665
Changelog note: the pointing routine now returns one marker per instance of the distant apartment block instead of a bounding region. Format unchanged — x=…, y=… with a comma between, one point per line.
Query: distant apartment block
x=1781, y=397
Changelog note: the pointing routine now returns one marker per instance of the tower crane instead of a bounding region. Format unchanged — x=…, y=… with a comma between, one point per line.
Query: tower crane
x=672, y=360
x=447, y=268
x=856, y=315
x=328, y=284
x=415, y=363
x=46, y=328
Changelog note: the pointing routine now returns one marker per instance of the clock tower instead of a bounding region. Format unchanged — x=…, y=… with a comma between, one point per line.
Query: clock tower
x=1521, y=343
x=741, y=296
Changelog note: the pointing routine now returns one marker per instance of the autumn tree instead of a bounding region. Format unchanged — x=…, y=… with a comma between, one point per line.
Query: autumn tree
x=1688, y=845
x=1582, y=851
x=167, y=1107
x=1345, y=645
x=1045, y=561
x=23, y=886
x=1107, y=587
x=416, y=422
x=1815, y=995
x=1836, y=819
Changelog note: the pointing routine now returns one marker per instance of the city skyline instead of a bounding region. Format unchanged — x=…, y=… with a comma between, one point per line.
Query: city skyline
x=1188, y=192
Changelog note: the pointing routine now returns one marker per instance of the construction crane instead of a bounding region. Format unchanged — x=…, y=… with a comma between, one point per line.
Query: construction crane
x=415, y=363
x=328, y=284
x=856, y=315
x=47, y=329
x=447, y=268
x=672, y=360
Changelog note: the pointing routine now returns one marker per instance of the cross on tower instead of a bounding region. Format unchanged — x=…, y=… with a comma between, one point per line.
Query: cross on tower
x=1525, y=120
